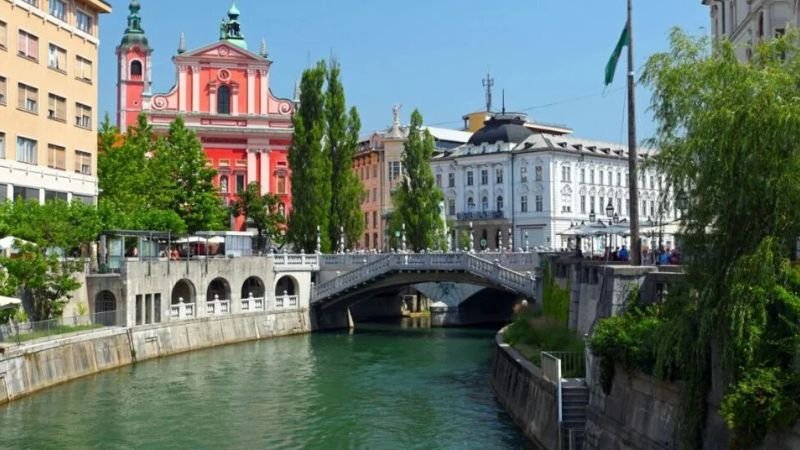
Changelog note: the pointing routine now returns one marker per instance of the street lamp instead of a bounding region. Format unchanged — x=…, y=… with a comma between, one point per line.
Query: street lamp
x=592, y=216
x=616, y=218
x=610, y=209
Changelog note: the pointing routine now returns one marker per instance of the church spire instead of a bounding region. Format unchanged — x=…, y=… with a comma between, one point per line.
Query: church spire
x=230, y=30
x=134, y=33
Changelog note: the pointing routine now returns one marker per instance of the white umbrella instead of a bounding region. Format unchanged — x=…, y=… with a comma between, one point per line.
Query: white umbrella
x=9, y=302
x=8, y=243
x=217, y=240
x=190, y=240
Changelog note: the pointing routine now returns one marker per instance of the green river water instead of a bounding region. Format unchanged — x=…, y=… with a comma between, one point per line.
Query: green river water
x=383, y=386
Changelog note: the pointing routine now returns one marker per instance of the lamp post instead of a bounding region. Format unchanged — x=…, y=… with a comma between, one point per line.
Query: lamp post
x=510, y=240
x=404, y=237
x=527, y=243
x=592, y=218
x=341, y=239
x=471, y=238
x=319, y=241
x=610, y=215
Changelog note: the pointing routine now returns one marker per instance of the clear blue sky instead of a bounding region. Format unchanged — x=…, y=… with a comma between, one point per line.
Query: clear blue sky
x=430, y=54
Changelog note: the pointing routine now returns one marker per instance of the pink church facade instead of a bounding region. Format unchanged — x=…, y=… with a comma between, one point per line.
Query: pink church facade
x=222, y=91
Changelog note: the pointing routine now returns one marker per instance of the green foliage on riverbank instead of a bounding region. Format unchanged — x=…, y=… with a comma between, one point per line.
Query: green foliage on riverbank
x=555, y=299
x=531, y=333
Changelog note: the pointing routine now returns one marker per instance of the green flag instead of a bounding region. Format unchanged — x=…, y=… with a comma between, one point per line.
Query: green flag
x=611, y=67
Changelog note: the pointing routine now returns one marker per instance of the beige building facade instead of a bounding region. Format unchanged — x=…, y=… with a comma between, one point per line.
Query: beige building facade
x=48, y=99
x=748, y=22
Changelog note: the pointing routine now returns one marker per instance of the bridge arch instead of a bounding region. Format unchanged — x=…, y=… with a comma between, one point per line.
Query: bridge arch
x=183, y=292
x=255, y=286
x=286, y=285
x=105, y=308
x=218, y=289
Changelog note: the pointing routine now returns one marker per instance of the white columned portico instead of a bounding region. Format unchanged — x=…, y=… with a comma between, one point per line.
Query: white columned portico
x=251, y=91
x=182, y=88
x=264, y=80
x=251, y=165
x=195, y=88
x=265, y=178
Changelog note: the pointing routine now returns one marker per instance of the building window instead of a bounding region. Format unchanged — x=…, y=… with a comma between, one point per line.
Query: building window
x=281, y=184
x=591, y=204
x=619, y=206
x=374, y=171
x=57, y=108
x=498, y=178
x=439, y=180
x=3, y=90
x=451, y=207
x=583, y=204
x=470, y=204
x=223, y=184
x=583, y=175
x=27, y=98
x=366, y=240
x=2, y=148
x=374, y=219
x=366, y=222
x=26, y=150
x=652, y=209
x=58, y=9
x=394, y=170
x=83, y=69
x=57, y=58
x=485, y=204
x=56, y=157
x=451, y=179
x=83, y=162
x=499, y=202
x=601, y=206
x=32, y=2
x=566, y=203
x=28, y=46
x=523, y=174
x=470, y=181
x=566, y=173
x=3, y=35
x=538, y=173
x=539, y=203
x=83, y=116
x=524, y=203
x=619, y=179
x=136, y=69
x=240, y=182
x=484, y=177
x=224, y=100
x=374, y=194
x=83, y=21
x=602, y=177
x=652, y=182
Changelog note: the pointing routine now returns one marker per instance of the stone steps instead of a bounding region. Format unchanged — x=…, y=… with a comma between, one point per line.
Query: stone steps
x=574, y=400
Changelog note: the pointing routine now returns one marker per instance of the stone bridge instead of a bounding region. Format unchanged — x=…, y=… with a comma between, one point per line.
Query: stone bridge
x=387, y=271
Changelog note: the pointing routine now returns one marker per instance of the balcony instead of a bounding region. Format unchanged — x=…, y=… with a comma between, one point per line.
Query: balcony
x=480, y=215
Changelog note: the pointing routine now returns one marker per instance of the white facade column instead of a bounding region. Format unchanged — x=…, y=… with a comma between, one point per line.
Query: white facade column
x=182, y=88
x=10, y=192
x=265, y=178
x=196, y=88
x=212, y=100
x=69, y=197
x=235, y=100
x=251, y=165
x=148, y=84
x=41, y=196
x=251, y=91
x=262, y=75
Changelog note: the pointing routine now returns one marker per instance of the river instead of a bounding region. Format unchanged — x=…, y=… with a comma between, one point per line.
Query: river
x=384, y=386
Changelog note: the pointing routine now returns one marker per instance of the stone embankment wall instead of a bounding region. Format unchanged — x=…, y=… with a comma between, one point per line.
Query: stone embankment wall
x=36, y=366
x=526, y=395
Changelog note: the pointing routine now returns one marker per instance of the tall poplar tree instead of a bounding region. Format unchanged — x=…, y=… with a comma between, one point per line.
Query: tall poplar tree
x=341, y=145
x=417, y=201
x=311, y=168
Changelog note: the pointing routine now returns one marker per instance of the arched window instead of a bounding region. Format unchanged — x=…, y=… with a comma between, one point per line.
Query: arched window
x=470, y=204
x=499, y=202
x=224, y=100
x=485, y=204
x=136, y=69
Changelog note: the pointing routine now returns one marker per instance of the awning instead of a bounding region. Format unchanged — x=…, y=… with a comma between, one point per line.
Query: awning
x=9, y=302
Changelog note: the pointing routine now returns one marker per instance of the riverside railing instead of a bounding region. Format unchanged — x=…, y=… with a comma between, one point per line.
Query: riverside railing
x=46, y=328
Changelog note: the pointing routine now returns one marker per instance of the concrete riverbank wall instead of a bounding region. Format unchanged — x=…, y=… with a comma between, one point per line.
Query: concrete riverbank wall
x=32, y=367
x=529, y=399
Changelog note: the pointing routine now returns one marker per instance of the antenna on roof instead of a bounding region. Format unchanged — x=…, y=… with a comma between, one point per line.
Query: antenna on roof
x=488, y=83
x=504, y=101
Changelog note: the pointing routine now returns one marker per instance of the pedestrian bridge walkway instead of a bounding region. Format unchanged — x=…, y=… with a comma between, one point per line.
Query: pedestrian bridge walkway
x=403, y=269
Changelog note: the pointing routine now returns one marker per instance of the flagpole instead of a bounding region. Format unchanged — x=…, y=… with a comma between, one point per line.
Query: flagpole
x=636, y=247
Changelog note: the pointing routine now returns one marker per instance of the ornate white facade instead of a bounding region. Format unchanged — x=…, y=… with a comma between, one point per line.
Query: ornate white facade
x=747, y=22
x=555, y=181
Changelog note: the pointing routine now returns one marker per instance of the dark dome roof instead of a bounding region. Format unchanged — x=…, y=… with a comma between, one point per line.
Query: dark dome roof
x=502, y=128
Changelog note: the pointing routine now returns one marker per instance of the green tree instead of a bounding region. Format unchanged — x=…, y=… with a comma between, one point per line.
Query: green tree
x=261, y=211
x=417, y=200
x=310, y=167
x=186, y=182
x=341, y=145
x=728, y=133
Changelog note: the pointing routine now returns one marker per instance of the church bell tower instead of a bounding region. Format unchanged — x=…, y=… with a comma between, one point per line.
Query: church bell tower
x=134, y=76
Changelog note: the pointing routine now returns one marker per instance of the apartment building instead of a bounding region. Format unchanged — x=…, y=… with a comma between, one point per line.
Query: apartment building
x=48, y=99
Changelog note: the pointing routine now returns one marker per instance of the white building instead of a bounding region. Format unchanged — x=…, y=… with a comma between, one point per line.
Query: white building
x=747, y=22
x=555, y=181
